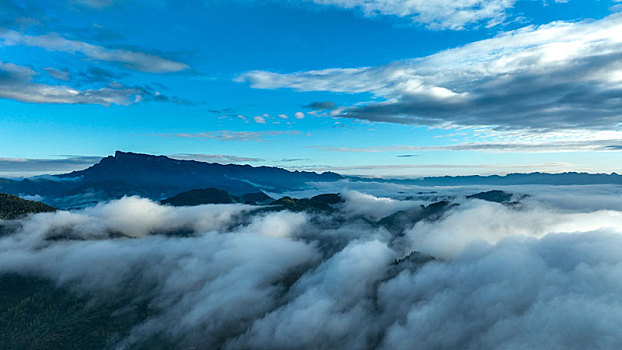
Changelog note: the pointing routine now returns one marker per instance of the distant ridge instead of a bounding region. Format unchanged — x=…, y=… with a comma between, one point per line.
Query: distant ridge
x=161, y=171
x=536, y=178
x=158, y=177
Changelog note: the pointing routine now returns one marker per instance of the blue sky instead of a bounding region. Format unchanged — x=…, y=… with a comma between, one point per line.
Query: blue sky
x=389, y=87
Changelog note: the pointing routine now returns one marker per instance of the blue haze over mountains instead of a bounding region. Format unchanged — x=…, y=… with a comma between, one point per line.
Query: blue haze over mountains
x=159, y=177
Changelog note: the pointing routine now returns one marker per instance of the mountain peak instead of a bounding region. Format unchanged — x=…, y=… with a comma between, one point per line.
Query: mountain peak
x=157, y=176
x=120, y=155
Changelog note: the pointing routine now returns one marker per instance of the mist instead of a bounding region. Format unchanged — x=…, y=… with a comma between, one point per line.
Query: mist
x=481, y=275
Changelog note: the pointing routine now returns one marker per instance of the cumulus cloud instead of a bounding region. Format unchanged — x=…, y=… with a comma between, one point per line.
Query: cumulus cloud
x=563, y=75
x=259, y=120
x=299, y=115
x=490, y=222
x=131, y=59
x=374, y=208
x=280, y=224
x=483, y=275
x=328, y=304
x=130, y=217
x=520, y=293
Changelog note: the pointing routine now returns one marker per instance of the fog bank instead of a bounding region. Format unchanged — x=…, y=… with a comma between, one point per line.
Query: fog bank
x=480, y=275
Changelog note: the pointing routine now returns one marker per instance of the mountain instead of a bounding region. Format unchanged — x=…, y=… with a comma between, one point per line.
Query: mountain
x=322, y=203
x=13, y=207
x=399, y=221
x=37, y=314
x=403, y=219
x=496, y=196
x=160, y=172
x=158, y=177
x=537, y=178
x=200, y=196
x=215, y=196
x=256, y=198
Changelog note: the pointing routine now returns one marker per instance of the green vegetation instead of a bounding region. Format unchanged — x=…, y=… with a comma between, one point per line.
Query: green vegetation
x=496, y=196
x=214, y=196
x=13, y=207
x=36, y=314
x=323, y=202
x=256, y=198
x=200, y=196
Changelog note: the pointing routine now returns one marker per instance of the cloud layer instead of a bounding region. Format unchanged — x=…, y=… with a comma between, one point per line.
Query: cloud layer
x=558, y=76
x=22, y=166
x=487, y=276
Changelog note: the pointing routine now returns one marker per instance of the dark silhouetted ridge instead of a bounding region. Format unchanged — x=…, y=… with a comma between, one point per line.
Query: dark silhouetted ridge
x=13, y=207
x=256, y=198
x=198, y=197
x=158, y=177
x=322, y=202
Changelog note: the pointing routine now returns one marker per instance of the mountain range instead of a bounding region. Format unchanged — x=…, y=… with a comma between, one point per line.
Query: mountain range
x=536, y=178
x=160, y=177
x=156, y=177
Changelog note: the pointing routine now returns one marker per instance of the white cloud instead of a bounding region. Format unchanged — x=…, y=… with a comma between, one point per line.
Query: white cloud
x=283, y=116
x=438, y=14
x=259, y=120
x=568, y=75
x=228, y=135
x=299, y=115
x=479, y=221
x=443, y=168
x=16, y=83
x=134, y=217
x=58, y=74
x=374, y=208
x=279, y=224
x=527, y=277
x=94, y=4
x=131, y=59
x=511, y=141
x=30, y=167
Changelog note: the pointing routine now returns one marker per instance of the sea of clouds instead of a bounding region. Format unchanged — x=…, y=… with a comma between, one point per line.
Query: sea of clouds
x=546, y=273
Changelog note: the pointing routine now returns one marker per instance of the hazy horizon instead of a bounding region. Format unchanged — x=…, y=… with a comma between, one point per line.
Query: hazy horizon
x=356, y=222
x=381, y=88
x=32, y=168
